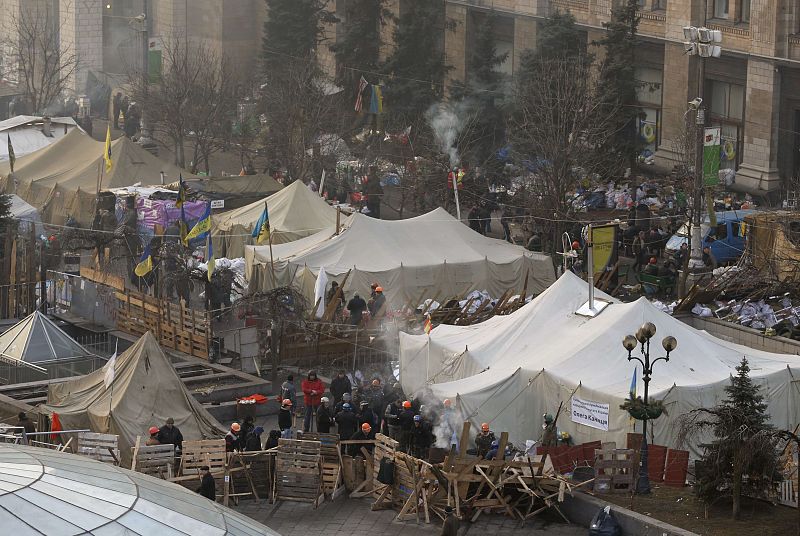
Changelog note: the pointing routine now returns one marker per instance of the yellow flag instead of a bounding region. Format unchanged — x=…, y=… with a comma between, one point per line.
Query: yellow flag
x=107, y=152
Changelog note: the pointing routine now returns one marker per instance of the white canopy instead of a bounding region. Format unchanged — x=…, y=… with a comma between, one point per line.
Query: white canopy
x=27, y=136
x=429, y=254
x=294, y=212
x=510, y=370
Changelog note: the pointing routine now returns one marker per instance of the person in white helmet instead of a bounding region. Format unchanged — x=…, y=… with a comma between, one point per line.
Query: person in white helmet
x=324, y=417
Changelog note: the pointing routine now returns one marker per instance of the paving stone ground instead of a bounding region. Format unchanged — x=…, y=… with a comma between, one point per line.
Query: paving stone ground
x=353, y=517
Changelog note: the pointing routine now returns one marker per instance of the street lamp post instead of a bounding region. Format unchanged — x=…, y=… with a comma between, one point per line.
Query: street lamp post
x=642, y=337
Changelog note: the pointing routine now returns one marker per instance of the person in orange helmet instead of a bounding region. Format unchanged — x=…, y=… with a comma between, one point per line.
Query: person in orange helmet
x=377, y=305
x=364, y=434
x=406, y=421
x=153, y=439
x=483, y=441
x=233, y=440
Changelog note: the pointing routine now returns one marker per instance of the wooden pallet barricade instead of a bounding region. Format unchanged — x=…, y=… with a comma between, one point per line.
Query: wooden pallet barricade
x=615, y=470
x=196, y=454
x=101, y=447
x=332, y=473
x=153, y=460
x=298, y=471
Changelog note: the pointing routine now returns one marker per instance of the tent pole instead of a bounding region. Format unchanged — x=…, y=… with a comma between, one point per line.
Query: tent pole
x=590, y=267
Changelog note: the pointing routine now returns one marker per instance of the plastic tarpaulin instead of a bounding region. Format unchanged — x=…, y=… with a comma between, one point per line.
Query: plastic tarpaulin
x=145, y=391
x=427, y=254
x=510, y=370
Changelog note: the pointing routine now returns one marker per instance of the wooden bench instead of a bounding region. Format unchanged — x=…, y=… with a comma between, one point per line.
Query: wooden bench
x=101, y=447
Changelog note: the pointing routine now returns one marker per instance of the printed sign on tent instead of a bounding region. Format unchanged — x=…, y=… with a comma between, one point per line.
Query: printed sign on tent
x=588, y=413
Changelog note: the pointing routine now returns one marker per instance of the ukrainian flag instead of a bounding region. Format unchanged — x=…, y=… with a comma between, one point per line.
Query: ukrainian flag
x=202, y=228
x=633, y=385
x=261, y=229
x=145, y=265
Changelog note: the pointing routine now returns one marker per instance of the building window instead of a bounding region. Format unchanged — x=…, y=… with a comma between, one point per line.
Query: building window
x=721, y=9
x=660, y=5
x=744, y=10
x=727, y=112
x=648, y=95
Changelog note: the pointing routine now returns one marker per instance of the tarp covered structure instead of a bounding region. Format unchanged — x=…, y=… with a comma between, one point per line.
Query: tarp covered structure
x=27, y=134
x=430, y=254
x=61, y=179
x=236, y=190
x=294, y=212
x=510, y=370
x=26, y=215
x=145, y=391
x=37, y=339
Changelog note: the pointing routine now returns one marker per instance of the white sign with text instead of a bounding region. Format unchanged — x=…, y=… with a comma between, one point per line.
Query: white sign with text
x=588, y=413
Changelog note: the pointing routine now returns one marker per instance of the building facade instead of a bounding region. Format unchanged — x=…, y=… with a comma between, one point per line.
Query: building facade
x=751, y=91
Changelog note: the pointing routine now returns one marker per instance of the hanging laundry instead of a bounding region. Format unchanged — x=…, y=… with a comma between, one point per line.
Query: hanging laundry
x=362, y=85
x=376, y=102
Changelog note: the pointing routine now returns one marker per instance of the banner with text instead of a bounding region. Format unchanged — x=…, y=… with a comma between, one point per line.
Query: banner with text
x=590, y=413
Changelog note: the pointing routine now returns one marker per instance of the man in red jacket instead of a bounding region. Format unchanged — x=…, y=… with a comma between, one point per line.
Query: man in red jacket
x=313, y=389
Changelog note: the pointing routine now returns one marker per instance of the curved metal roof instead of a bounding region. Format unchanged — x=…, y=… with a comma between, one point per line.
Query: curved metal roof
x=54, y=493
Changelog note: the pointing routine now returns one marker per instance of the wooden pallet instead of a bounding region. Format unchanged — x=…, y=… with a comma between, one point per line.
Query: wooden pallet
x=101, y=447
x=153, y=460
x=615, y=470
x=332, y=477
x=260, y=465
x=298, y=471
x=196, y=454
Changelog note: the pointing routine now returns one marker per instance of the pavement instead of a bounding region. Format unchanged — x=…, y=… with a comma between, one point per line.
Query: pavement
x=353, y=517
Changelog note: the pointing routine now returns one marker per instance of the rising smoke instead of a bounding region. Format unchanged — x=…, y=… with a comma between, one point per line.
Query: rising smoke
x=447, y=120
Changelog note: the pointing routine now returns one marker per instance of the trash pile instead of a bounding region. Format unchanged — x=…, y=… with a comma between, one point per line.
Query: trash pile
x=775, y=315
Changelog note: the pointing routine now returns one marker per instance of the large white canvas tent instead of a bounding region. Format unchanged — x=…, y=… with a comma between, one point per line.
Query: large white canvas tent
x=430, y=254
x=510, y=370
x=294, y=212
x=144, y=391
x=28, y=133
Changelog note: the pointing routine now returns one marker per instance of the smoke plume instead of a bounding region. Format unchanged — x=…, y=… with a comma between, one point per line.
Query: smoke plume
x=447, y=120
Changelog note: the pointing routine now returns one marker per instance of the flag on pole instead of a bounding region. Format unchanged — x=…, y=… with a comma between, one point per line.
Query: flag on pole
x=12, y=158
x=145, y=265
x=201, y=228
x=181, y=193
x=261, y=230
x=107, y=152
x=428, y=326
x=108, y=377
x=362, y=85
x=210, y=256
x=633, y=385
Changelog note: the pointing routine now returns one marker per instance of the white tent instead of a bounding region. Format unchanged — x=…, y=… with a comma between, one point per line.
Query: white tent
x=26, y=215
x=409, y=258
x=27, y=135
x=510, y=370
x=294, y=212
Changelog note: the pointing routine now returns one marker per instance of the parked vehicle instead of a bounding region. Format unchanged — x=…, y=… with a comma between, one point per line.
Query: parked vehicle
x=726, y=239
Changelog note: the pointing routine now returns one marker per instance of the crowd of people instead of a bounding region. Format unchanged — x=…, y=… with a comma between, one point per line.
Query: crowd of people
x=357, y=306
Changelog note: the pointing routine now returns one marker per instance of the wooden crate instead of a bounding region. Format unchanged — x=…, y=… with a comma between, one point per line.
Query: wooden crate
x=298, y=471
x=196, y=454
x=617, y=468
x=332, y=476
x=260, y=466
x=102, y=447
x=154, y=460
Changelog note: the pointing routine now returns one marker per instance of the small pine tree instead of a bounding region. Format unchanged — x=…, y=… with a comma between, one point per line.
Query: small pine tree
x=416, y=69
x=743, y=445
x=618, y=86
x=360, y=43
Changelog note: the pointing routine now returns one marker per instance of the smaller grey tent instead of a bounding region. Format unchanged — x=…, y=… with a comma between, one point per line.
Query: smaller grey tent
x=144, y=390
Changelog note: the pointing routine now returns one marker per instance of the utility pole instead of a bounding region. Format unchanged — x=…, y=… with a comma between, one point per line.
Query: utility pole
x=696, y=256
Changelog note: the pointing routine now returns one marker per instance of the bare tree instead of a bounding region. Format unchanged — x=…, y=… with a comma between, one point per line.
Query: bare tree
x=559, y=119
x=192, y=100
x=35, y=58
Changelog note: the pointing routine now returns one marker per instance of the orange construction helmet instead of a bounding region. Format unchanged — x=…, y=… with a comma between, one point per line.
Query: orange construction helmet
x=286, y=402
x=378, y=289
x=407, y=404
x=576, y=245
x=236, y=427
x=447, y=402
x=366, y=427
x=153, y=430
x=485, y=427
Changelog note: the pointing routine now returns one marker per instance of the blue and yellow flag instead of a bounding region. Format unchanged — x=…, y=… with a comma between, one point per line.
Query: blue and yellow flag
x=261, y=230
x=210, y=257
x=633, y=385
x=145, y=265
x=201, y=228
x=107, y=152
x=181, y=192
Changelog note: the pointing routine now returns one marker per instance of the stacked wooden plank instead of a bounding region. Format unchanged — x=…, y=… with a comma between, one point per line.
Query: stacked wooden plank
x=102, y=447
x=196, y=454
x=298, y=471
x=615, y=470
x=330, y=451
x=153, y=460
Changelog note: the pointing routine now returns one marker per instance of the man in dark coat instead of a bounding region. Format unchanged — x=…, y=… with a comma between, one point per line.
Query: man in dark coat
x=169, y=434
x=346, y=422
x=421, y=438
x=339, y=386
x=207, y=486
x=285, y=418
x=364, y=434
x=356, y=306
x=26, y=423
x=451, y=523
x=406, y=421
x=324, y=416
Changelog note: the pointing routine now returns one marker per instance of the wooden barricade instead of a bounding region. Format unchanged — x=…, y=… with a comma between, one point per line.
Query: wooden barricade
x=153, y=460
x=175, y=326
x=101, y=447
x=258, y=471
x=298, y=471
x=196, y=454
x=332, y=478
x=385, y=448
x=615, y=470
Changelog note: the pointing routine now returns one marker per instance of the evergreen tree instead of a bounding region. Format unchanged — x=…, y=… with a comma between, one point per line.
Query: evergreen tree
x=559, y=37
x=742, y=457
x=618, y=87
x=360, y=43
x=292, y=32
x=482, y=90
x=416, y=68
